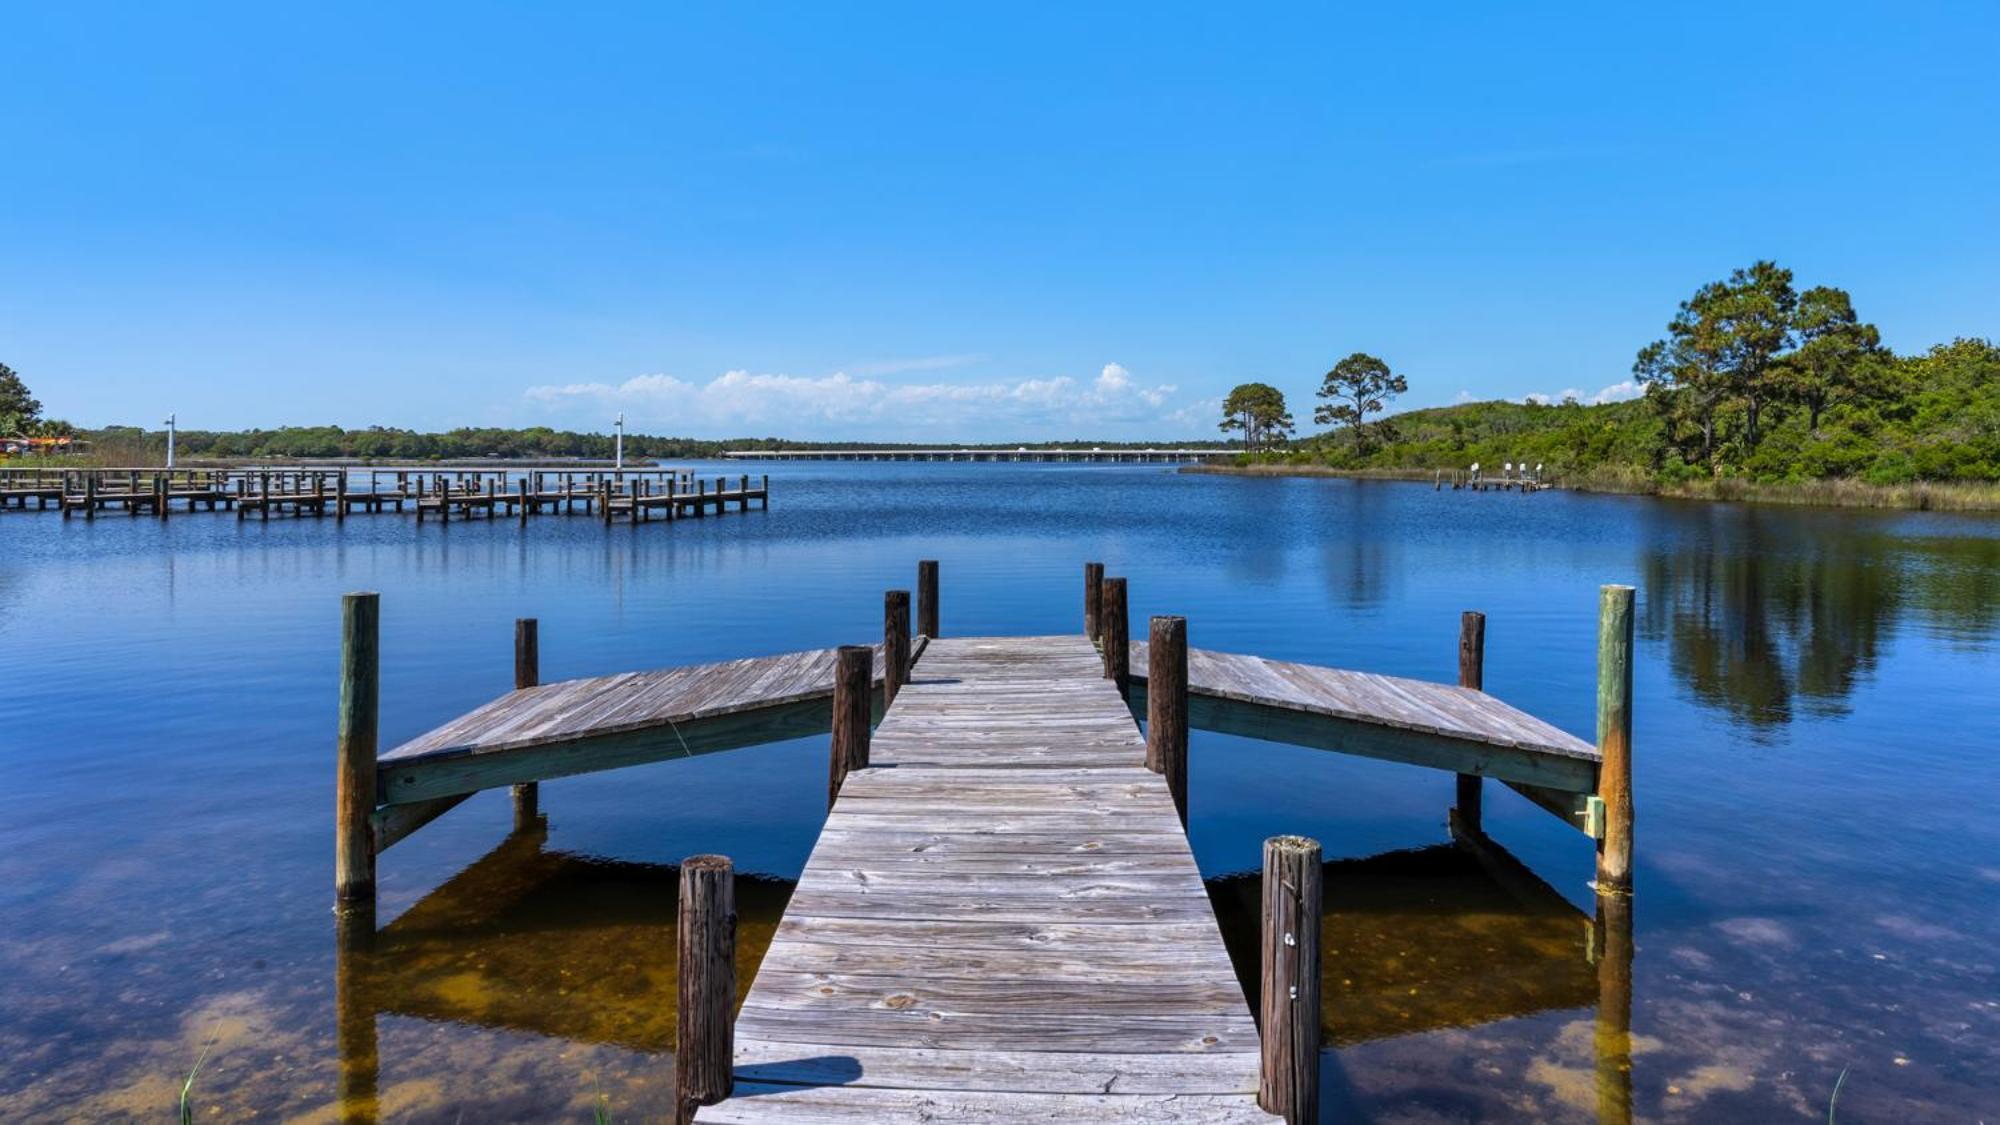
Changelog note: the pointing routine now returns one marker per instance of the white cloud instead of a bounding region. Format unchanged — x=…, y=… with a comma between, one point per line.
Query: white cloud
x=1616, y=392
x=842, y=403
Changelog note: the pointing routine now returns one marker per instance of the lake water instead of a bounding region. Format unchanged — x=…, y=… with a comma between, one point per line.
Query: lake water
x=1818, y=844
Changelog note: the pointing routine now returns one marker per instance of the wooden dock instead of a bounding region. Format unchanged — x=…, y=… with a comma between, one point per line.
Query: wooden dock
x=442, y=493
x=1002, y=919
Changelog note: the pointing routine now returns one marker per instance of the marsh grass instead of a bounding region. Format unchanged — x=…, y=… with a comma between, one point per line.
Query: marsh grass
x=1835, y=1099
x=187, y=1087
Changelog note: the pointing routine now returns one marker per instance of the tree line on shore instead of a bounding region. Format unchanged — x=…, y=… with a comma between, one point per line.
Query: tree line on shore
x=1753, y=379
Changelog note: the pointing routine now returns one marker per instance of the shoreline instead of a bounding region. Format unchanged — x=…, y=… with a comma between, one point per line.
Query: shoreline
x=1919, y=496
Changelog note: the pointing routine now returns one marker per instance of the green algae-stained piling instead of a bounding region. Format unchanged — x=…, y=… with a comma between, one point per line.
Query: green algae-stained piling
x=1001, y=918
x=1614, y=739
x=355, y=772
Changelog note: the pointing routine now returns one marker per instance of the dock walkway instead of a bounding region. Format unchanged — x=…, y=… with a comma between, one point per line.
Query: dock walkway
x=1002, y=920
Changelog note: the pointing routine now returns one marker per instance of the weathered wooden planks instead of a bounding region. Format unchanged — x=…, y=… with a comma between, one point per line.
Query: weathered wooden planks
x=577, y=726
x=1391, y=717
x=1001, y=921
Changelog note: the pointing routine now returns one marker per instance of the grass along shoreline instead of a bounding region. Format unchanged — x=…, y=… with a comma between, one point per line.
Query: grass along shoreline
x=1919, y=496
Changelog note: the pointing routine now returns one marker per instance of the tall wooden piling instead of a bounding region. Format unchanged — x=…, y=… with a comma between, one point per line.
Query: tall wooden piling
x=1167, y=707
x=895, y=643
x=705, y=1014
x=1113, y=629
x=1471, y=674
x=1614, y=738
x=1093, y=598
x=853, y=684
x=1289, y=996
x=354, y=768
x=927, y=598
x=527, y=673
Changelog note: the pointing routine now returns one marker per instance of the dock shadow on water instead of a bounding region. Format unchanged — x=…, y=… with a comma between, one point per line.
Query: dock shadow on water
x=530, y=941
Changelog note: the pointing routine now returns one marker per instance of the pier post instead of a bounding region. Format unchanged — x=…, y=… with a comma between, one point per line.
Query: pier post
x=1167, y=707
x=1614, y=738
x=705, y=1012
x=1289, y=996
x=895, y=643
x=354, y=769
x=1113, y=627
x=90, y=496
x=524, y=502
x=1471, y=674
x=853, y=683
x=927, y=598
x=340, y=497
x=527, y=673
x=1093, y=598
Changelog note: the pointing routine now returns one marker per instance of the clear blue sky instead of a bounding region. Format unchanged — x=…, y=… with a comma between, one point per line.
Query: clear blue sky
x=913, y=222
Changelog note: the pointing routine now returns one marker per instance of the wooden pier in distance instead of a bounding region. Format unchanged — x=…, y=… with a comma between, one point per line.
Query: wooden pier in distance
x=1002, y=919
x=443, y=493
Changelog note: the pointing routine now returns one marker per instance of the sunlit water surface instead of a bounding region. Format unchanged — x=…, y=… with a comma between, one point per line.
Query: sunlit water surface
x=1818, y=874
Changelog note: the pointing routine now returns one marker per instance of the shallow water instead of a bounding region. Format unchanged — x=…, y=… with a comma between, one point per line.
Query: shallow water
x=1818, y=859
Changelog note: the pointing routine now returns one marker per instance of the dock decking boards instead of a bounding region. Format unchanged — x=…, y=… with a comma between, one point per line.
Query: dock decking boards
x=1001, y=921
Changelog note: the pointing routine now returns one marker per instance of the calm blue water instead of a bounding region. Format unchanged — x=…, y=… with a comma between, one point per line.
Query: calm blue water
x=1818, y=855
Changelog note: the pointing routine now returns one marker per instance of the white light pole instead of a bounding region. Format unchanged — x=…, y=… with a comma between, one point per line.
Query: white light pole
x=618, y=449
x=170, y=441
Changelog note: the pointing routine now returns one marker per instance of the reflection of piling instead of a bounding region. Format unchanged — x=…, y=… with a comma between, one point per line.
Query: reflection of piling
x=1167, y=707
x=852, y=673
x=1289, y=989
x=705, y=1017
x=1471, y=674
x=1613, y=1038
x=527, y=673
x=354, y=771
x=357, y=1088
x=1614, y=738
x=1113, y=626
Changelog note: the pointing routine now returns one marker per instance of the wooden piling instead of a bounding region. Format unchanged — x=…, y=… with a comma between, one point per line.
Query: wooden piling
x=523, y=514
x=895, y=643
x=1167, y=707
x=1614, y=738
x=705, y=1012
x=527, y=673
x=853, y=684
x=1289, y=996
x=927, y=598
x=1113, y=629
x=1093, y=598
x=1471, y=674
x=354, y=769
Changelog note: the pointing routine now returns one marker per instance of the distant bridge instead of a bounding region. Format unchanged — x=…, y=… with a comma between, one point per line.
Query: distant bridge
x=1019, y=454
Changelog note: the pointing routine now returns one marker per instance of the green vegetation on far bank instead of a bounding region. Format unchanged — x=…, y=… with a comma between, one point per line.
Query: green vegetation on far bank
x=1757, y=391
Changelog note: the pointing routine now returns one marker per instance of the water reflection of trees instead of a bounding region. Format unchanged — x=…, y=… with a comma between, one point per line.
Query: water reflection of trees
x=1768, y=616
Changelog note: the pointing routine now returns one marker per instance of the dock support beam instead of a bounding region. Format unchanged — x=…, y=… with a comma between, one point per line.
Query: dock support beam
x=1288, y=999
x=927, y=597
x=1113, y=627
x=1167, y=707
x=853, y=676
x=354, y=771
x=1471, y=674
x=527, y=673
x=705, y=1015
x=1614, y=738
x=1093, y=598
